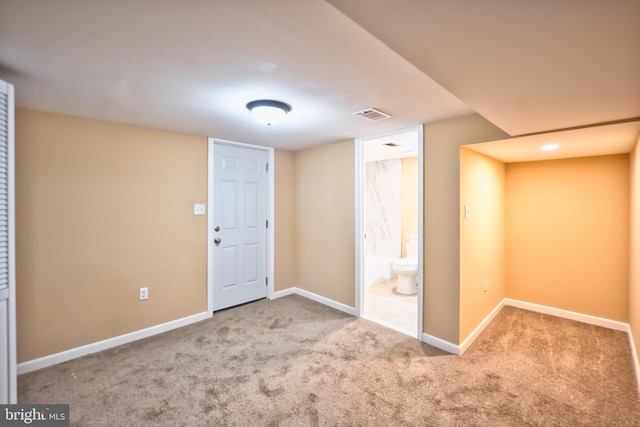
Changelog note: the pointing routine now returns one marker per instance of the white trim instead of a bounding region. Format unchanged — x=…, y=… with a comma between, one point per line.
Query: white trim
x=317, y=298
x=271, y=236
x=584, y=318
x=464, y=346
x=210, y=143
x=11, y=245
x=270, y=215
x=391, y=326
x=420, y=330
x=572, y=315
x=441, y=344
x=359, y=225
x=73, y=353
x=459, y=350
x=283, y=293
x=634, y=355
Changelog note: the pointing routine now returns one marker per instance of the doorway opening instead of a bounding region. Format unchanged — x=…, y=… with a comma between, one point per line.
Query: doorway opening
x=389, y=232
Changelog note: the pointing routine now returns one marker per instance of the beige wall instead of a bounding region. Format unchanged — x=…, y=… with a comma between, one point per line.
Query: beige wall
x=568, y=234
x=482, y=237
x=442, y=141
x=102, y=210
x=325, y=221
x=634, y=280
x=285, y=220
x=409, y=199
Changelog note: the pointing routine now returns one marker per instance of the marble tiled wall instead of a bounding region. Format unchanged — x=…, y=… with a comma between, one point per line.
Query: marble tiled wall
x=383, y=208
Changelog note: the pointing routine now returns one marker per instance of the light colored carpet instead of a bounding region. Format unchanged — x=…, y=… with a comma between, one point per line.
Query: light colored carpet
x=293, y=362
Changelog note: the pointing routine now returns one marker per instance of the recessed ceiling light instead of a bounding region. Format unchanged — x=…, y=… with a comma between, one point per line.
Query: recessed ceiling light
x=549, y=147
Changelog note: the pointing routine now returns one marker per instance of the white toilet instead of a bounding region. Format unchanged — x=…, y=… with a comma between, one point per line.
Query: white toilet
x=407, y=268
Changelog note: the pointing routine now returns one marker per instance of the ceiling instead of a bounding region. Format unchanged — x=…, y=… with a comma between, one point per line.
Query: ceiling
x=192, y=66
x=393, y=146
x=593, y=141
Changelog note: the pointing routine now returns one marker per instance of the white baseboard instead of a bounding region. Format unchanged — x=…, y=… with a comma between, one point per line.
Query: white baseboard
x=441, y=344
x=317, y=298
x=73, y=353
x=466, y=343
x=571, y=315
x=63, y=356
x=459, y=350
x=634, y=355
x=389, y=325
x=584, y=318
x=283, y=293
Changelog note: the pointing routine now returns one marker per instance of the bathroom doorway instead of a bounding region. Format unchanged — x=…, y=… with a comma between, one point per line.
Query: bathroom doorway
x=389, y=229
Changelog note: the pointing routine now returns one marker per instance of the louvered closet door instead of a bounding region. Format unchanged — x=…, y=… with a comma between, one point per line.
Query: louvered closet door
x=8, y=392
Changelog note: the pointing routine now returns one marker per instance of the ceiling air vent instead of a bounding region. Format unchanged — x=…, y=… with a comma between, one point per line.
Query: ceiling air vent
x=372, y=114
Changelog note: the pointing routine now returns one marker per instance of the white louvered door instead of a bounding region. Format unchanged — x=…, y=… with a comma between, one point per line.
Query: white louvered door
x=8, y=379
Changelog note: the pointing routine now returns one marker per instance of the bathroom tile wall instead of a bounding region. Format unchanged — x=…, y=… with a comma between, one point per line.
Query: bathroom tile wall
x=383, y=208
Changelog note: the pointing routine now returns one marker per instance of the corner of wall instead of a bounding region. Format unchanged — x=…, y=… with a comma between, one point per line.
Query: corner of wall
x=482, y=238
x=285, y=220
x=325, y=221
x=119, y=197
x=442, y=141
x=634, y=266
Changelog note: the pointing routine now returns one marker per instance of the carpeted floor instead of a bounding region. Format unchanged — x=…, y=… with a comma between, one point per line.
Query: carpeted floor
x=294, y=362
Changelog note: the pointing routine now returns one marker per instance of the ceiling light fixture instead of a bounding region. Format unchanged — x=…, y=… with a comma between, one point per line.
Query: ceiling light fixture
x=268, y=112
x=549, y=147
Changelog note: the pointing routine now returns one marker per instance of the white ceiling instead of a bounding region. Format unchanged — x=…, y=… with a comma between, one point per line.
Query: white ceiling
x=393, y=146
x=527, y=66
x=191, y=66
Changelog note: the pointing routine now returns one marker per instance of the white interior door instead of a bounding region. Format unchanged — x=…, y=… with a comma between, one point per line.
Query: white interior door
x=240, y=225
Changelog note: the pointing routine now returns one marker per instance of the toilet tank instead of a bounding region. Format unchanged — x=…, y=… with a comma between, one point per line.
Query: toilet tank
x=411, y=241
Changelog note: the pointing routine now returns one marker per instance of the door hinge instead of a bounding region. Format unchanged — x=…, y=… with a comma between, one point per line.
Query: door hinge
x=266, y=281
x=267, y=225
x=267, y=167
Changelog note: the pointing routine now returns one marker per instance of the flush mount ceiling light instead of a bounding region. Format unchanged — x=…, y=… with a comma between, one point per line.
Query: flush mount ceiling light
x=268, y=112
x=549, y=147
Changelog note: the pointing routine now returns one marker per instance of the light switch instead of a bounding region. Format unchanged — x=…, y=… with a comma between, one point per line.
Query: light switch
x=198, y=209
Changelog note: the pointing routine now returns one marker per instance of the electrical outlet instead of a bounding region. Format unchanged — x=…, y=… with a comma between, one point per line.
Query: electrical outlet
x=486, y=284
x=144, y=294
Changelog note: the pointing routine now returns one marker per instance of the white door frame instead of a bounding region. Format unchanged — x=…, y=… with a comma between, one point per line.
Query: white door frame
x=360, y=176
x=270, y=216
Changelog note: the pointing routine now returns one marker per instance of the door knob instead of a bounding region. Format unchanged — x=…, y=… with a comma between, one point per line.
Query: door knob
x=217, y=228
x=217, y=241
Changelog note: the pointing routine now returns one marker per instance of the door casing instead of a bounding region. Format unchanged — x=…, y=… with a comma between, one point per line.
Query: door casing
x=360, y=176
x=270, y=215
